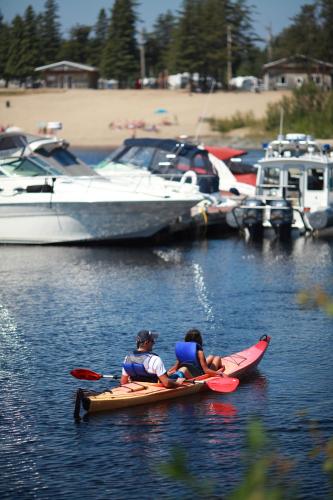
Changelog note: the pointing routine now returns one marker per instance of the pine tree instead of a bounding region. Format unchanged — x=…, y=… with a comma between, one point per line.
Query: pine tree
x=326, y=18
x=244, y=49
x=77, y=48
x=30, y=46
x=99, y=40
x=4, y=48
x=14, y=68
x=120, y=58
x=214, y=20
x=186, y=49
x=50, y=32
x=301, y=37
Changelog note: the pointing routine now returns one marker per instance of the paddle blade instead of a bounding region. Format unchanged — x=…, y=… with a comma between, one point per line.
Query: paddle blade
x=222, y=384
x=83, y=374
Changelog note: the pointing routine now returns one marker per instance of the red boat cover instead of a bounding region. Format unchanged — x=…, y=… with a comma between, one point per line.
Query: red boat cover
x=225, y=153
x=247, y=178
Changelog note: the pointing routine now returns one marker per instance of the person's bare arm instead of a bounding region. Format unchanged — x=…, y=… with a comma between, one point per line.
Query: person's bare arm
x=168, y=383
x=173, y=368
x=124, y=379
x=204, y=365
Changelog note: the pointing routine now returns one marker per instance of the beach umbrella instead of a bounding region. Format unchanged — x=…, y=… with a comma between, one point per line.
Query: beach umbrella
x=160, y=111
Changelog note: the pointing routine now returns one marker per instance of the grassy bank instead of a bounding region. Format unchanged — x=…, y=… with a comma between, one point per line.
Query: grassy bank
x=308, y=110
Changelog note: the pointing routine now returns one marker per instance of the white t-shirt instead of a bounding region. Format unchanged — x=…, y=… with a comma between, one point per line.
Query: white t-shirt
x=152, y=363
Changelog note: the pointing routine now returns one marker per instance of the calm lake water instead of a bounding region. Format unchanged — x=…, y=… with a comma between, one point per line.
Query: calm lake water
x=66, y=307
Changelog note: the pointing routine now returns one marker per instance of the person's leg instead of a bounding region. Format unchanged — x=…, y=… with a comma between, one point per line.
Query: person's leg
x=181, y=372
x=185, y=371
x=214, y=362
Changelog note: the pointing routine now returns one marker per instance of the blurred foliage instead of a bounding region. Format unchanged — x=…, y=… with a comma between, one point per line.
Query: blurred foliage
x=267, y=475
x=309, y=109
x=259, y=483
x=238, y=120
x=316, y=297
x=310, y=33
x=177, y=469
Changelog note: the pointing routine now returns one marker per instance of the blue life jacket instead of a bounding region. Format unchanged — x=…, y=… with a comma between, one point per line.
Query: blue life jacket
x=134, y=367
x=187, y=355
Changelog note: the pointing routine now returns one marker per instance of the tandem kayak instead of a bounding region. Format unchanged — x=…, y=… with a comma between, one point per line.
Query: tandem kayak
x=239, y=364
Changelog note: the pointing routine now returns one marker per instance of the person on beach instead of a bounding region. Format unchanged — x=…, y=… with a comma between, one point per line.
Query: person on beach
x=143, y=365
x=191, y=360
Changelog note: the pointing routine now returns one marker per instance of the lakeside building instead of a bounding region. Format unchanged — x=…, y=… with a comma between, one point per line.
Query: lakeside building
x=68, y=74
x=292, y=72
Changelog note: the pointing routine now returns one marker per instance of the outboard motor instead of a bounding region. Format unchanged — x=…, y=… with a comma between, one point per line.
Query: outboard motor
x=254, y=216
x=281, y=217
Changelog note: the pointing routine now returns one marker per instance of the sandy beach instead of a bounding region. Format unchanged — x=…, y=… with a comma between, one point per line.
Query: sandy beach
x=106, y=117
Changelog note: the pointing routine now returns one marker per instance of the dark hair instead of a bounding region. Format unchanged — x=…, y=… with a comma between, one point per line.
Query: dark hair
x=193, y=335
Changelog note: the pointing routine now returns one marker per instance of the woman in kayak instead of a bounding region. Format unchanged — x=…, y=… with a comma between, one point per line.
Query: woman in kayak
x=191, y=360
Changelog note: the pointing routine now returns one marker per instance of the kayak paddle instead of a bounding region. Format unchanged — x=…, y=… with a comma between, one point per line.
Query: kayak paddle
x=220, y=384
x=84, y=374
x=217, y=384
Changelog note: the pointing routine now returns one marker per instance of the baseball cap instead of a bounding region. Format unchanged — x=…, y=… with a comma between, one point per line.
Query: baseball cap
x=145, y=335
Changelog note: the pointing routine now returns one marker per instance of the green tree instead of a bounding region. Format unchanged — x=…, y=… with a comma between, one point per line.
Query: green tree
x=50, y=32
x=120, y=58
x=246, y=57
x=326, y=21
x=158, y=42
x=200, y=44
x=14, y=67
x=30, y=45
x=185, y=52
x=77, y=48
x=302, y=36
x=213, y=27
x=99, y=40
x=4, y=48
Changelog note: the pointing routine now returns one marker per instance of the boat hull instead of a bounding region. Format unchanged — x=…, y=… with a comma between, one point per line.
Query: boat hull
x=239, y=364
x=84, y=210
x=57, y=222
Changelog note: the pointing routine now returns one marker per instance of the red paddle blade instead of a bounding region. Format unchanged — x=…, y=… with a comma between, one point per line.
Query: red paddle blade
x=84, y=374
x=222, y=384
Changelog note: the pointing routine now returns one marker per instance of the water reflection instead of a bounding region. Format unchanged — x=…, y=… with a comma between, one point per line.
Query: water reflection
x=226, y=410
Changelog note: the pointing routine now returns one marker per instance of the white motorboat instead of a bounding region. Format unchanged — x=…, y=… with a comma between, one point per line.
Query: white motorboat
x=164, y=160
x=39, y=204
x=294, y=189
x=171, y=159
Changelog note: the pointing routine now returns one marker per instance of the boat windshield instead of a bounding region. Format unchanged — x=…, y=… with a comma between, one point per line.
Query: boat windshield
x=27, y=167
x=138, y=157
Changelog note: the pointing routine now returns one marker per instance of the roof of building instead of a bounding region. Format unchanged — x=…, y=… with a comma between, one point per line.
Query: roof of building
x=297, y=57
x=65, y=65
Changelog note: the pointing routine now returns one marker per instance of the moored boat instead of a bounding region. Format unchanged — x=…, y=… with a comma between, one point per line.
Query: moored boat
x=293, y=190
x=239, y=364
x=67, y=202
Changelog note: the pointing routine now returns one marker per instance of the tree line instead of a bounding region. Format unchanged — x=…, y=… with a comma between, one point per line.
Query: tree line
x=213, y=38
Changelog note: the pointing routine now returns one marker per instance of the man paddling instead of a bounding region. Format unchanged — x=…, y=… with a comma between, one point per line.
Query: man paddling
x=145, y=366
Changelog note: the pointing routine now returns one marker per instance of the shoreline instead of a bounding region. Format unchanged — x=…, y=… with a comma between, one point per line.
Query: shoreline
x=105, y=118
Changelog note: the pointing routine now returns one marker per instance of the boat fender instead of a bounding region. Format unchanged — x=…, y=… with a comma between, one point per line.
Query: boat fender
x=191, y=175
x=186, y=353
